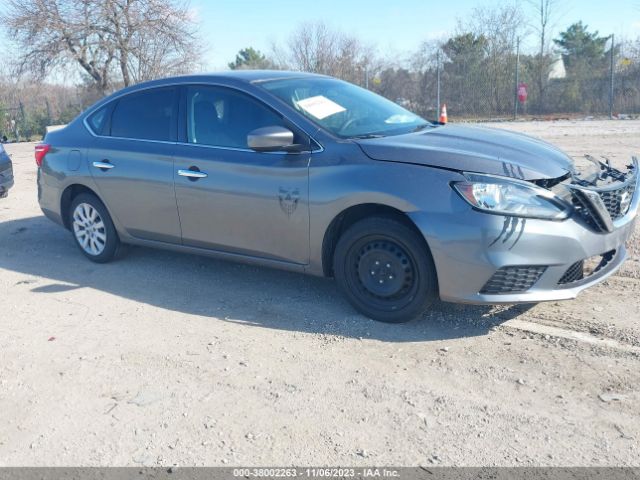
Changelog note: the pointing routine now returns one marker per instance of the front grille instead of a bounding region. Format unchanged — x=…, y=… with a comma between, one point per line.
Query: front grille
x=513, y=279
x=613, y=200
x=616, y=203
x=585, y=268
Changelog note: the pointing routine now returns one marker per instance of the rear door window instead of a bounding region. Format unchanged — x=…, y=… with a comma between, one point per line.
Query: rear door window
x=148, y=115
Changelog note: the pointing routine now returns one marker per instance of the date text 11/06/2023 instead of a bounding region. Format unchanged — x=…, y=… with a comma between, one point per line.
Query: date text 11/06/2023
x=315, y=473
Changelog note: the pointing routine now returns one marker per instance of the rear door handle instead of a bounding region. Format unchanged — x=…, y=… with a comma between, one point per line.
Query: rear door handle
x=103, y=165
x=192, y=174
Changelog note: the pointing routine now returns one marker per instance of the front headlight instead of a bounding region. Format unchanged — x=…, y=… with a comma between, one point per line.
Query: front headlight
x=506, y=196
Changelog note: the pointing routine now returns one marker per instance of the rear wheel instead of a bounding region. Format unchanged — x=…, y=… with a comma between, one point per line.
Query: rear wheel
x=385, y=270
x=93, y=228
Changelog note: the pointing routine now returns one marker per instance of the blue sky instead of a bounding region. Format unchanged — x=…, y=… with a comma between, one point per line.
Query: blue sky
x=395, y=26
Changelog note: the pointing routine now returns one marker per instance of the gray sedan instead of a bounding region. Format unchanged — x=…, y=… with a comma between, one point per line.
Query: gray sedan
x=6, y=173
x=311, y=174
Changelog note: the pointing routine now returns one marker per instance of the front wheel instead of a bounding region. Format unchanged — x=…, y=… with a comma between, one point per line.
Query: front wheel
x=93, y=228
x=385, y=269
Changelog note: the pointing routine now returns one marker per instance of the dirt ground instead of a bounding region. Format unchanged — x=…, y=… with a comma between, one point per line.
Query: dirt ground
x=169, y=359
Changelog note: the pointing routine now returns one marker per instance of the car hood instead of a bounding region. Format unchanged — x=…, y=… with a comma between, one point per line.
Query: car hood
x=473, y=149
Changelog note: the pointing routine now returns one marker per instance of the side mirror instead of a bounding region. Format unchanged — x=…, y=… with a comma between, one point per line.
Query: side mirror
x=272, y=139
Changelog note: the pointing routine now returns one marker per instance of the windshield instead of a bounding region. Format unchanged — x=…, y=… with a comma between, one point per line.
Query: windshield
x=344, y=109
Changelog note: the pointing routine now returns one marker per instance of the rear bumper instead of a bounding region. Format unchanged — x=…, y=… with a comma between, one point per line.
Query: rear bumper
x=469, y=247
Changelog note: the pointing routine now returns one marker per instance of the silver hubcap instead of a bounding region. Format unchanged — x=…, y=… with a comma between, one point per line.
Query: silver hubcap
x=89, y=229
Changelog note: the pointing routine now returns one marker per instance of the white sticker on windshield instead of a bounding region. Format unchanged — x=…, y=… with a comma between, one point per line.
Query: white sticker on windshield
x=400, y=118
x=320, y=106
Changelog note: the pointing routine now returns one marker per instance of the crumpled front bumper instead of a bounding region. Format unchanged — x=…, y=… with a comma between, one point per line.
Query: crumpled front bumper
x=471, y=249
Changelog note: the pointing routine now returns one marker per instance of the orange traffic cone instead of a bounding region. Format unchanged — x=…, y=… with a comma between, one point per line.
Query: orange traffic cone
x=443, y=114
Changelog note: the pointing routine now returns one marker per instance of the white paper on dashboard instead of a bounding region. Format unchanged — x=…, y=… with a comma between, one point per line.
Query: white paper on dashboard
x=320, y=106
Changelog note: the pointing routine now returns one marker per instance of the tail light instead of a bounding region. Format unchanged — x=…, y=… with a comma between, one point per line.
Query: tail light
x=41, y=150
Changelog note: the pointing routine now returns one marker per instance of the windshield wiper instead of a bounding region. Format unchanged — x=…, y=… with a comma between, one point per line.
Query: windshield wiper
x=367, y=135
x=422, y=127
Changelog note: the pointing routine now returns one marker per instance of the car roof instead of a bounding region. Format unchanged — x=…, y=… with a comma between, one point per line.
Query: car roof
x=233, y=76
x=228, y=77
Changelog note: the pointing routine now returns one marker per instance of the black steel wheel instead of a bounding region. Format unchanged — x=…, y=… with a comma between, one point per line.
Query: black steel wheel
x=385, y=270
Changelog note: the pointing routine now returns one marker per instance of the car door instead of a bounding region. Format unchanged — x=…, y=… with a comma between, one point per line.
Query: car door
x=232, y=198
x=131, y=161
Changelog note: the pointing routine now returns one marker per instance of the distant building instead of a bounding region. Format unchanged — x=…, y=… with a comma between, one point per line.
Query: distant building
x=557, y=68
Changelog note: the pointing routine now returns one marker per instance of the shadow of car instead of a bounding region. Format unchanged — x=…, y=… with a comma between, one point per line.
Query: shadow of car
x=194, y=285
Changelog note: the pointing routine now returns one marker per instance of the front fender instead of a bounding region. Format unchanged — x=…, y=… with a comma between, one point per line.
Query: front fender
x=337, y=187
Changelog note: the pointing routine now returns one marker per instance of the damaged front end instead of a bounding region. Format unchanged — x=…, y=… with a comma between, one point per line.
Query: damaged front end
x=602, y=195
x=520, y=256
x=601, y=198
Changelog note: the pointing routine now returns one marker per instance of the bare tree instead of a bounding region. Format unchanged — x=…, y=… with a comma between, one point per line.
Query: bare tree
x=500, y=26
x=546, y=13
x=152, y=37
x=544, y=10
x=315, y=47
x=52, y=33
x=112, y=41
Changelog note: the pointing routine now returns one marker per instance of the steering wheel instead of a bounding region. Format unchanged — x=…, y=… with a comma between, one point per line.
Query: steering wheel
x=349, y=123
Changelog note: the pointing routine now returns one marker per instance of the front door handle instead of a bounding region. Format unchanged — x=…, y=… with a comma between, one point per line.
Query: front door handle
x=105, y=165
x=192, y=174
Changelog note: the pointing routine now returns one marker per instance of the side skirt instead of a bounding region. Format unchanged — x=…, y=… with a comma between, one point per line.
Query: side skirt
x=222, y=255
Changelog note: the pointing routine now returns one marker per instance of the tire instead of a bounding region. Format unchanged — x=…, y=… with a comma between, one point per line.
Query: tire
x=93, y=229
x=385, y=270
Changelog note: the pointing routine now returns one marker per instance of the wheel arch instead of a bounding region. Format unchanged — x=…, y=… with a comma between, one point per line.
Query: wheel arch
x=353, y=214
x=69, y=193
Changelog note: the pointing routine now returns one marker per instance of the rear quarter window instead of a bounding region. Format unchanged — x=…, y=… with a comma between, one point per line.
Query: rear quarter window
x=98, y=120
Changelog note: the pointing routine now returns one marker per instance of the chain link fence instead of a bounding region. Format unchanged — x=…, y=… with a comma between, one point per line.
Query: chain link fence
x=518, y=86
